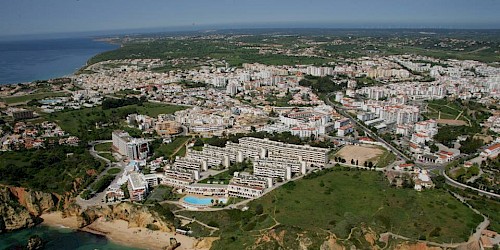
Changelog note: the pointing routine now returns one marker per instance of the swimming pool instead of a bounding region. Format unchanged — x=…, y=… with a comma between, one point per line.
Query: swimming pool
x=50, y=101
x=202, y=201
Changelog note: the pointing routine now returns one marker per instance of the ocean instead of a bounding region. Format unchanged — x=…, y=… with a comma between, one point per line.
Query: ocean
x=59, y=239
x=30, y=60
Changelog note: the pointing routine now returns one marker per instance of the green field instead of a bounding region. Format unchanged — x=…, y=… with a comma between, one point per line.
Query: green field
x=169, y=150
x=38, y=96
x=340, y=201
x=222, y=49
x=114, y=171
x=108, y=156
x=385, y=159
x=103, y=147
x=449, y=110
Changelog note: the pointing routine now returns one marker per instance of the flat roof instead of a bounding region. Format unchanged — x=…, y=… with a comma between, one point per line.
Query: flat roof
x=137, y=181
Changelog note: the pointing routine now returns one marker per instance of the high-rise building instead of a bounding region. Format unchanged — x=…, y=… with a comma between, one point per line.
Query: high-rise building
x=133, y=148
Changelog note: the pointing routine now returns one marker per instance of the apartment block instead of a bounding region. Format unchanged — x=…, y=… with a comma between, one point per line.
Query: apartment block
x=133, y=148
x=311, y=155
x=179, y=177
x=207, y=189
x=137, y=186
x=248, y=186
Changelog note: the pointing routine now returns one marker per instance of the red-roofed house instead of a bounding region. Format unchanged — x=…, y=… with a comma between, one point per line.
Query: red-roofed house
x=491, y=151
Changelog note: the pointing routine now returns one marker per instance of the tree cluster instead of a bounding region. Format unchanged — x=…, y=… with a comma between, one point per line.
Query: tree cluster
x=111, y=103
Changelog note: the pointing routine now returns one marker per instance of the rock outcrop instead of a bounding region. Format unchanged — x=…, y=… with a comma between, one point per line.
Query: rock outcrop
x=173, y=244
x=136, y=216
x=35, y=202
x=12, y=214
x=35, y=243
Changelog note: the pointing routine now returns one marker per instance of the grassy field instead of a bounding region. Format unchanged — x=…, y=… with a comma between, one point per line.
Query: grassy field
x=169, y=150
x=103, y=146
x=154, y=109
x=114, y=171
x=449, y=110
x=108, y=156
x=340, y=201
x=385, y=159
x=38, y=96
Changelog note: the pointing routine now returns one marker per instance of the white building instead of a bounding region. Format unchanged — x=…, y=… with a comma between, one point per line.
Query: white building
x=133, y=148
x=137, y=186
x=179, y=177
x=207, y=189
x=248, y=186
x=311, y=155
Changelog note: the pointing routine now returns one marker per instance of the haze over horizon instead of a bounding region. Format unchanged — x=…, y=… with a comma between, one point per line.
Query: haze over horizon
x=28, y=17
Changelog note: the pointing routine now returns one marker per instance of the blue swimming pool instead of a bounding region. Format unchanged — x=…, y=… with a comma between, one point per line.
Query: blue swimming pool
x=202, y=201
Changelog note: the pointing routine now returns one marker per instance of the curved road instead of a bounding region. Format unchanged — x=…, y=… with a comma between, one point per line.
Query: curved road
x=461, y=185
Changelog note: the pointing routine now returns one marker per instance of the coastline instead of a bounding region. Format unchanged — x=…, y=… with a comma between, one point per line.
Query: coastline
x=52, y=63
x=118, y=232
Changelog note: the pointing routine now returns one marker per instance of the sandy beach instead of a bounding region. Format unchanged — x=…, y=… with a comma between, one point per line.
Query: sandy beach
x=56, y=219
x=119, y=232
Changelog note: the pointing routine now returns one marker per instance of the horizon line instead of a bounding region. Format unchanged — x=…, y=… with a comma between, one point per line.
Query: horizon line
x=204, y=28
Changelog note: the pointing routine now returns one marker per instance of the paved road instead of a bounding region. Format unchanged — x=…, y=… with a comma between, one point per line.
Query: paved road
x=342, y=111
x=195, y=220
x=99, y=198
x=461, y=185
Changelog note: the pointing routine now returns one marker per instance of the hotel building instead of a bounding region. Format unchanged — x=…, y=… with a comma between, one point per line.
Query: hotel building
x=133, y=148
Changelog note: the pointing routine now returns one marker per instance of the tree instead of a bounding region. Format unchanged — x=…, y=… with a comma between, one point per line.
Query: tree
x=252, y=129
x=259, y=209
x=370, y=164
x=433, y=148
x=470, y=145
x=124, y=188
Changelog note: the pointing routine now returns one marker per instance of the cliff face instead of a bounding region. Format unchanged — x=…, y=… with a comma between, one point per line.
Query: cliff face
x=12, y=215
x=137, y=216
x=34, y=201
x=20, y=208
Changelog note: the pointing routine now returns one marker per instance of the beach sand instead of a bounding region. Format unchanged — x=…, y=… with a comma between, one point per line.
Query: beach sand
x=56, y=219
x=119, y=232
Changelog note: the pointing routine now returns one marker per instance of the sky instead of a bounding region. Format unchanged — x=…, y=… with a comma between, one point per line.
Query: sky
x=23, y=17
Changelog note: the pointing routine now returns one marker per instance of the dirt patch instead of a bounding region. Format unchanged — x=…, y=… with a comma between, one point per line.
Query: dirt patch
x=452, y=122
x=360, y=153
x=205, y=243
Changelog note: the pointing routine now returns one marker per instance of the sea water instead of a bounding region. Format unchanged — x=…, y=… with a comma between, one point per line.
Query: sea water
x=30, y=60
x=59, y=239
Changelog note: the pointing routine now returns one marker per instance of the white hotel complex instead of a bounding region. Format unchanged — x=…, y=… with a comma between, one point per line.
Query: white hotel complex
x=133, y=148
x=272, y=161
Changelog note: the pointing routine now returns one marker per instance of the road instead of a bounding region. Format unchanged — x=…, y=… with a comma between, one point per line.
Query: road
x=99, y=198
x=457, y=184
x=342, y=111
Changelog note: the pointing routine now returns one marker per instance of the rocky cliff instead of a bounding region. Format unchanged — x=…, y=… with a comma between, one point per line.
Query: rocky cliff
x=12, y=215
x=20, y=208
x=135, y=215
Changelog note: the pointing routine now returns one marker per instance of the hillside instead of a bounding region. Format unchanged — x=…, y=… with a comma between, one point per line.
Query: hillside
x=353, y=205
